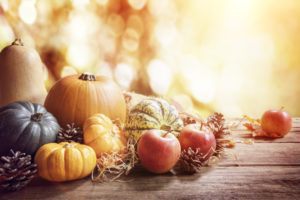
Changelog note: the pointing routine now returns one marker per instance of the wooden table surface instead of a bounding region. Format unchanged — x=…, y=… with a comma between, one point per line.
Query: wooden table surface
x=267, y=169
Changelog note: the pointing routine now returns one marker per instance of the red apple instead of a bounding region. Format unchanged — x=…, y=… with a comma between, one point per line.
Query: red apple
x=158, y=151
x=277, y=122
x=195, y=137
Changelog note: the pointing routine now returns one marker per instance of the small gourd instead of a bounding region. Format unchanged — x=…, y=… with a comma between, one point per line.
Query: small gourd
x=103, y=135
x=65, y=161
x=152, y=113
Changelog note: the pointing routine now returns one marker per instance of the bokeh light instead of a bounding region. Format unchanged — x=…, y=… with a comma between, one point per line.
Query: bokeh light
x=124, y=75
x=236, y=56
x=130, y=39
x=27, y=11
x=160, y=76
x=137, y=4
x=67, y=71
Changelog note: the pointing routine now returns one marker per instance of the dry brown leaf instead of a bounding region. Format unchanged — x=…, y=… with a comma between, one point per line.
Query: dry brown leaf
x=254, y=126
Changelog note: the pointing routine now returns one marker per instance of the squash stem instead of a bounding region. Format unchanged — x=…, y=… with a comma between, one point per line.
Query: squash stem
x=18, y=42
x=86, y=76
x=68, y=146
x=166, y=127
x=36, y=117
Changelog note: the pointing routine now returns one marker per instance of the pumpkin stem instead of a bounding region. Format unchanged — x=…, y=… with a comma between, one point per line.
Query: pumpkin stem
x=166, y=127
x=68, y=146
x=86, y=76
x=36, y=117
x=17, y=42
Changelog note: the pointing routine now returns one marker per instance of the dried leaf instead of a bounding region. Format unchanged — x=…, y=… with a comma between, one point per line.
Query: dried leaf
x=251, y=120
x=254, y=125
x=249, y=126
x=265, y=134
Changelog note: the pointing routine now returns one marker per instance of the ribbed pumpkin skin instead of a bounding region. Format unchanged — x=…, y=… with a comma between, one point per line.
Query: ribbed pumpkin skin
x=102, y=135
x=152, y=114
x=65, y=161
x=19, y=132
x=72, y=100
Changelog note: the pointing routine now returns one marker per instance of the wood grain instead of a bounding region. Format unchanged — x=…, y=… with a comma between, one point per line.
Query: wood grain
x=213, y=183
x=263, y=154
x=267, y=169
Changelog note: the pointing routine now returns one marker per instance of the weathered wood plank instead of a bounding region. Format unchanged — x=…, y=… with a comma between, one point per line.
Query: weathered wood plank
x=291, y=137
x=212, y=183
x=263, y=154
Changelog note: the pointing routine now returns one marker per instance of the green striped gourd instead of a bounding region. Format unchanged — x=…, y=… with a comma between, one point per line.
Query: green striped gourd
x=152, y=113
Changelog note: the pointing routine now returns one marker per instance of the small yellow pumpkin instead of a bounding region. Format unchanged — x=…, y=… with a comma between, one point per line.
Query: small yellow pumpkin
x=103, y=135
x=65, y=161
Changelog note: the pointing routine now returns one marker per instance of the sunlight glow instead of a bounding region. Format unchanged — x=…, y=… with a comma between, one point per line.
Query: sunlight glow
x=27, y=11
x=160, y=76
x=124, y=75
x=80, y=56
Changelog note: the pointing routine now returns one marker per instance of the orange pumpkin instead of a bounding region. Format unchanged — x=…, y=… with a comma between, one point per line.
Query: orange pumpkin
x=65, y=161
x=75, y=98
x=103, y=135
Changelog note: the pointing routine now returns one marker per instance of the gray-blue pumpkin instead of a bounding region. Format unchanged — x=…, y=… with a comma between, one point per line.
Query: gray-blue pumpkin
x=26, y=126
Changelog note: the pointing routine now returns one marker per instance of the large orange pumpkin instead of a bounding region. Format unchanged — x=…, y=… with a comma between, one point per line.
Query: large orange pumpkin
x=75, y=98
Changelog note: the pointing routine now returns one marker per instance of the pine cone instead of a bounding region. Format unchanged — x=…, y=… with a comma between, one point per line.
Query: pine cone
x=191, y=161
x=16, y=171
x=70, y=134
x=216, y=122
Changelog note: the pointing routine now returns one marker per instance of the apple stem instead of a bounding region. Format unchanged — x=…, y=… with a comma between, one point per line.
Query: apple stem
x=282, y=107
x=166, y=133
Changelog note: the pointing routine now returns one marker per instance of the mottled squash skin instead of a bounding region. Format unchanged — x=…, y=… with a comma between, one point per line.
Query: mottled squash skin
x=152, y=113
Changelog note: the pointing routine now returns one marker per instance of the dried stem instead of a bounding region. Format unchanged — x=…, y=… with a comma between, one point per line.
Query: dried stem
x=17, y=42
x=111, y=166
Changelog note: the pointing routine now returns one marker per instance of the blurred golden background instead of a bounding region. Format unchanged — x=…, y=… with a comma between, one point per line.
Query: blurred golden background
x=233, y=56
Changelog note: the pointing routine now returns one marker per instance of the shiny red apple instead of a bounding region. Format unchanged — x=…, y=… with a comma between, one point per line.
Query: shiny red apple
x=276, y=122
x=158, y=151
x=195, y=137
